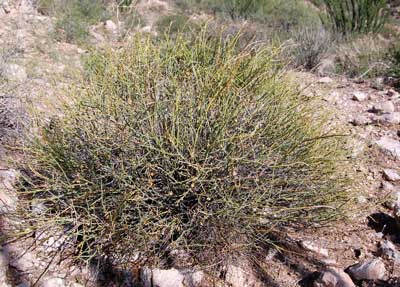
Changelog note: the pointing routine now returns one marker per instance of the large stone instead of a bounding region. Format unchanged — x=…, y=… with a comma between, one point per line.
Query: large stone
x=241, y=277
x=14, y=72
x=314, y=247
x=111, y=27
x=369, y=270
x=5, y=6
x=384, y=108
x=8, y=199
x=334, y=277
x=388, y=250
x=28, y=262
x=361, y=120
x=3, y=266
x=325, y=80
x=388, y=119
x=171, y=278
x=391, y=175
x=167, y=278
x=359, y=96
x=53, y=282
x=389, y=146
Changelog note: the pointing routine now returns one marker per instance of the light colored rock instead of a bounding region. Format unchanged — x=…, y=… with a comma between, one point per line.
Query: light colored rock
x=384, y=108
x=393, y=94
x=5, y=6
x=389, y=119
x=171, y=278
x=167, y=278
x=325, y=80
x=272, y=252
x=14, y=72
x=361, y=120
x=8, y=198
x=389, y=146
x=361, y=199
x=53, y=282
x=396, y=210
x=27, y=262
x=111, y=27
x=193, y=279
x=3, y=266
x=329, y=262
x=334, y=277
x=387, y=186
x=314, y=247
x=389, y=251
x=240, y=277
x=393, y=200
x=96, y=37
x=369, y=270
x=359, y=96
x=391, y=175
x=358, y=149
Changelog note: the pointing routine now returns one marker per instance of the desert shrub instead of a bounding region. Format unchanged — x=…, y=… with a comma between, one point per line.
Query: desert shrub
x=310, y=46
x=278, y=14
x=356, y=16
x=234, y=8
x=288, y=15
x=173, y=24
x=125, y=3
x=182, y=144
x=363, y=57
x=132, y=19
x=73, y=17
x=394, y=70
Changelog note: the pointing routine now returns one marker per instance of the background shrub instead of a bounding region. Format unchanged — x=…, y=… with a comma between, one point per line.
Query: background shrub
x=173, y=24
x=282, y=15
x=356, y=16
x=310, y=45
x=74, y=16
x=364, y=57
x=184, y=144
x=394, y=71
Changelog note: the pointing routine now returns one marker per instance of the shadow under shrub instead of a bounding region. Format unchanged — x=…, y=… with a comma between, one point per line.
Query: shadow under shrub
x=184, y=144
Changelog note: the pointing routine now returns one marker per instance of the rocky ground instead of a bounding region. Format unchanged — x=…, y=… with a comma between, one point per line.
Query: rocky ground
x=362, y=251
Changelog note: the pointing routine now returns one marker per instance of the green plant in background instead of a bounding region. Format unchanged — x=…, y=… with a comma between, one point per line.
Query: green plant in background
x=125, y=3
x=364, y=57
x=310, y=45
x=394, y=71
x=282, y=15
x=237, y=8
x=356, y=16
x=173, y=24
x=288, y=15
x=74, y=17
x=182, y=144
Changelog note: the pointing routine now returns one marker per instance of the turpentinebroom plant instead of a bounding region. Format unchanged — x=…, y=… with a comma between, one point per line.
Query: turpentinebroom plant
x=190, y=145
